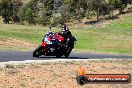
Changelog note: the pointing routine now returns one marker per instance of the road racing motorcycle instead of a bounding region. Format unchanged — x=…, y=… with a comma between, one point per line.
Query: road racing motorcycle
x=53, y=44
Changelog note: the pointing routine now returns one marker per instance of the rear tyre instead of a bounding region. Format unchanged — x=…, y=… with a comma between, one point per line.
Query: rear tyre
x=67, y=53
x=36, y=52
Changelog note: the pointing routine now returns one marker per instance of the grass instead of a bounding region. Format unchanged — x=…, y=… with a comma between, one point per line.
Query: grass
x=115, y=37
x=22, y=32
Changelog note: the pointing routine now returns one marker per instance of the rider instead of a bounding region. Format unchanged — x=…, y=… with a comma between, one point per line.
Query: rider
x=65, y=33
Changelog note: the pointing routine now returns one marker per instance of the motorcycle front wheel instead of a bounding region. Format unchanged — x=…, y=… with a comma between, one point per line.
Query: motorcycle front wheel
x=36, y=52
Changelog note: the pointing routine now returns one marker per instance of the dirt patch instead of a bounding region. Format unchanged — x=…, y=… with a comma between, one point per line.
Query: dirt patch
x=61, y=74
x=15, y=43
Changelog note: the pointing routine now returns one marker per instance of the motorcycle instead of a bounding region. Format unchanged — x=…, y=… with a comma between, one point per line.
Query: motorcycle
x=53, y=44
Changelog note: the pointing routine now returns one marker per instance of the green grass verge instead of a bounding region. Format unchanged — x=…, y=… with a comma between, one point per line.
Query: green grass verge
x=115, y=38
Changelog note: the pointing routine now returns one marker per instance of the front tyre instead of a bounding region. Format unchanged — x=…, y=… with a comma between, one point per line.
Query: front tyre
x=36, y=52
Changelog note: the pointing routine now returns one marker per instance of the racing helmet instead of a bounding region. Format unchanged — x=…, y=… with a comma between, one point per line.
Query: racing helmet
x=64, y=29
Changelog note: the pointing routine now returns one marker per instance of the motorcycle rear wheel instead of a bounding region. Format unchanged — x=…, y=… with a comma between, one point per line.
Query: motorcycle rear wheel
x=67, y=53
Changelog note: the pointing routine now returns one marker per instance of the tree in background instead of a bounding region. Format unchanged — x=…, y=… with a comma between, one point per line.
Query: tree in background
x=17, y=4
x=120, y=4
x=27, y=12
x=101, y=7
x=9, y=10
x=54, y=12
x=6, y=10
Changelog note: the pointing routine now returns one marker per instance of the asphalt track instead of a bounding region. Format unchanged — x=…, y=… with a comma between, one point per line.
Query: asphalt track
x=6, y=56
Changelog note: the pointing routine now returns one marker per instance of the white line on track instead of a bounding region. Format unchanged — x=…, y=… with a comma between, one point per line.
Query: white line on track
x=2, y=64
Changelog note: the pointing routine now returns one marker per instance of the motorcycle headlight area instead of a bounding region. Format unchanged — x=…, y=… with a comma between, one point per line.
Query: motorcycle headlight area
x=47, y=41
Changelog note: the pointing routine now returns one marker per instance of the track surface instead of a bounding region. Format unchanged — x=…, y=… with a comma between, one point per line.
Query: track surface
x=6, y=56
